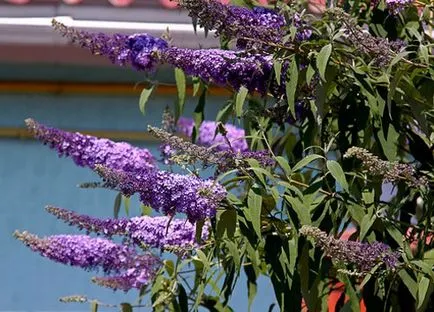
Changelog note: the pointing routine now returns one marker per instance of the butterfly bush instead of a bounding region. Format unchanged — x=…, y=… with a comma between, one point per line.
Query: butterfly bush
x=156, y=232
x=94, y=253
x=89, y=151
x=168, y=192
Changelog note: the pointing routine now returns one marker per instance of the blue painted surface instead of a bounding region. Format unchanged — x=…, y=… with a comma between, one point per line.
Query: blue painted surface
x=32, y=176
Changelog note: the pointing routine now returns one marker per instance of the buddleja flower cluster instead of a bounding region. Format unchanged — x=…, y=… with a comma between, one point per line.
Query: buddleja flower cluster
x=128, y=268
x=252, y=29
x=389, y=171
x=363, y=256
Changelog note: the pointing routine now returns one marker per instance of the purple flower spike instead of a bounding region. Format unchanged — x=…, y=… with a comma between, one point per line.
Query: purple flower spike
x=88, y=151
x=237, y=22
x=207, y=137
x=139, y=50
x=168, y=192
x=364, y=256
x=88, y=253
x=223, y=67
x=157, y=232
x=396, y=6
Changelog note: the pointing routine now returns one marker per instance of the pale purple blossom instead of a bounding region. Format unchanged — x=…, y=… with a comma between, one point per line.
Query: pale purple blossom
x=209, y=138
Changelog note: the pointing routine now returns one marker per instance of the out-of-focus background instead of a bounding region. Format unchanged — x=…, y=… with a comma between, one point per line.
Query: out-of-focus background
x=44, y=77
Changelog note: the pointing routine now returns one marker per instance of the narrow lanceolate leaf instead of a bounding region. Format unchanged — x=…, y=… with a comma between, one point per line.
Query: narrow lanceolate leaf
x=277, y=70
x=305, y=161
x=337, y=173
x=291, y=86
x=144, y=97
x=322, y=60
x=239, y=101
x=254, y=202
x=181, y=87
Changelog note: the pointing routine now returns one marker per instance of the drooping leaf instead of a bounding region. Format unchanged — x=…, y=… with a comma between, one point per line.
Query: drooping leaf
x=291, y=85
x=181, y=87
x=338, y=173
x=144, y=97
x=239, y=100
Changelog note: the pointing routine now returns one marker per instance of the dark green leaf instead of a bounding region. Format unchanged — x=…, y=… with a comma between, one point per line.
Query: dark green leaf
x=277, y=70
x=182, y=298
x=337, y=173
x=226, y=223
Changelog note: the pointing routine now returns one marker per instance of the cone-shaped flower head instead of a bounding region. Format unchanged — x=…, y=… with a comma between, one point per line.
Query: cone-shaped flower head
x=157, y=232
x=364, y=256
x=94, y=253
x=168, y=192
x=88, y=151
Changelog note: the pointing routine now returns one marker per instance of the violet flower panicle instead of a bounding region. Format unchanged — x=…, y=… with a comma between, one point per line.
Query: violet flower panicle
x=364, y=256
x=94, y=253
x=88, y=151
x=156, y=232
x=168, y=192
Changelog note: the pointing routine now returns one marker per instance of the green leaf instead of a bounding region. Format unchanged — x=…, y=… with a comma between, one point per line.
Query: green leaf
x=93, y=306
x=283, y=163
x=254, y=203
x=422, y=292
x=309, y=73
x=291, y=85
x=127, y=203
x=199, y=228
x=126, y=307
x=251, y=285
x=117, y=205
x=196, y=85
x=305, y=161
x=182, y=298
x=235, y=253
x=277, y=70
x=336, y=171
x=226, y=223
x=322, y=60
x=409, y=282
x=146, y=210
x=300, y=209
x=240, y=99
x=181, y=87
x=144, y=97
